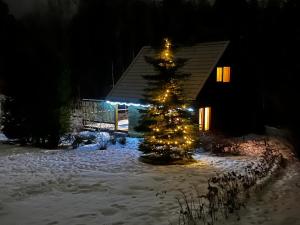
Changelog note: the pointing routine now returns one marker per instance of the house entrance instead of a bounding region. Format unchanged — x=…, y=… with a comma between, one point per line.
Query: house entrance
x=205, y=118
x=121, y=118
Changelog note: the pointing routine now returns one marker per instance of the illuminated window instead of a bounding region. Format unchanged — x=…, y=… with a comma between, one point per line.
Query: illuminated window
x=223, y=74
x=219, y=74
x=204, y=118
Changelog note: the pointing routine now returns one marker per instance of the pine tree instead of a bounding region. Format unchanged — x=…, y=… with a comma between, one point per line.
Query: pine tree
x=169, y=131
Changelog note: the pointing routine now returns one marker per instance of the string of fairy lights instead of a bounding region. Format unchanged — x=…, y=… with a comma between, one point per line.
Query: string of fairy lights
x=172, y=129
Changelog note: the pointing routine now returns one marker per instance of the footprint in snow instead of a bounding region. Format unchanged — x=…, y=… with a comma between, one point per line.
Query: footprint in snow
x=108, y=211
x=138, y=187
x=85, y=215
x=118, y=223
x=52, y=223
x=119, y=206
x=159, y=178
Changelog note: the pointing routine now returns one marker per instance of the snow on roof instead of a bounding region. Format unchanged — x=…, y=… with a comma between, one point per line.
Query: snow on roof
x=202, y=59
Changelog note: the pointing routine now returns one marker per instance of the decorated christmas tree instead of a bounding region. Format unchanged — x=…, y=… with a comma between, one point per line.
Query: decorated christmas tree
x=169, y=132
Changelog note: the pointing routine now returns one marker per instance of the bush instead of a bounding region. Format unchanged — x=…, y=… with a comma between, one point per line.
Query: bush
x=227, y=192
x=122, y=140
x=113, y=140
x=220, y=145
x=87, y=137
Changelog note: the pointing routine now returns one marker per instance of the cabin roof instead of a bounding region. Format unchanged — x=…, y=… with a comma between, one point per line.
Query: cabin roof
x=201, y=61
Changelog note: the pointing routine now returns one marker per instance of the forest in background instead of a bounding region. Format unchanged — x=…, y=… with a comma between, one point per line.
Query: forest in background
x=48, y=58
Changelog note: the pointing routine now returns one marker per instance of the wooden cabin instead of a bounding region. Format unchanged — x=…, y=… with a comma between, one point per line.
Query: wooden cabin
x=213, y=87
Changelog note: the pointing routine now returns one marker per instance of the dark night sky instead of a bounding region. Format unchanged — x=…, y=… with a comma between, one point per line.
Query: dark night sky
x=21, y=7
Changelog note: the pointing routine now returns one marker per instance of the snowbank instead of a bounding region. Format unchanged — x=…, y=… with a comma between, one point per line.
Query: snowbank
x=3, y=137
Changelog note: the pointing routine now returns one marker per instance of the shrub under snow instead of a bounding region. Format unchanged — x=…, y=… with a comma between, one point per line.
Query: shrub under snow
x=93, y=140
x=3, y=137
x=86, y=140
x=228, y=192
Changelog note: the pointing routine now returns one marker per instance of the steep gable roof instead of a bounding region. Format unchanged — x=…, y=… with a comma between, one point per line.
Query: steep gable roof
x=202, y=59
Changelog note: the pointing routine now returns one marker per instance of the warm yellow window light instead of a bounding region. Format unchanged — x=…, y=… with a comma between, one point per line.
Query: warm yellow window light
x=219, y=74
x=223, y=74
x=201, y=118
x=204, y=118
x=207, y=118
x=226, y=74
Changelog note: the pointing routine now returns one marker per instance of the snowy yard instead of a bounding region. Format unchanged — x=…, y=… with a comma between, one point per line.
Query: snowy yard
x=112, y=187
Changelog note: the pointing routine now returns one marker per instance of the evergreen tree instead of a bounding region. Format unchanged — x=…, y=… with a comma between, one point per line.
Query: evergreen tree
x=169, y=130
x=34, y=80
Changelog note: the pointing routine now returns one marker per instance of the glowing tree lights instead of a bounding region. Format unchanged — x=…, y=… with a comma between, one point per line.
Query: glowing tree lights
x=167, y=123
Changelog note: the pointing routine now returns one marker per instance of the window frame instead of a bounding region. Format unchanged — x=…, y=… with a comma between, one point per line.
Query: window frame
x=223, y=74
x=205, y=118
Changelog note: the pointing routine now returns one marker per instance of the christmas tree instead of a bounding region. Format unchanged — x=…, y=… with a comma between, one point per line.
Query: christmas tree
x=169, y=130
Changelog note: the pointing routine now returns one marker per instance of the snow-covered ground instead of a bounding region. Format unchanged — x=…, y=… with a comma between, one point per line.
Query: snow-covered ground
x=112, y=187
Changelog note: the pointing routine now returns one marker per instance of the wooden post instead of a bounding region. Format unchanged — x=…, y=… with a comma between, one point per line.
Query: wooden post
x=116, y=117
